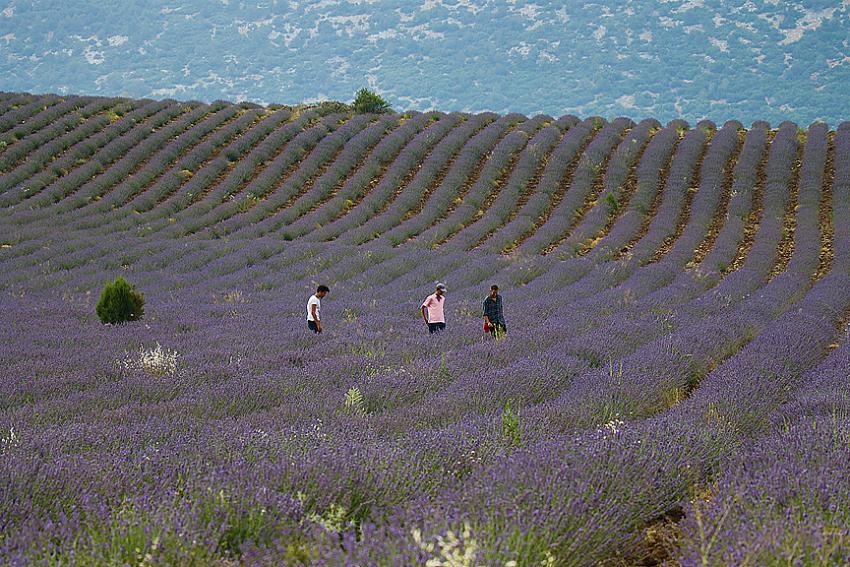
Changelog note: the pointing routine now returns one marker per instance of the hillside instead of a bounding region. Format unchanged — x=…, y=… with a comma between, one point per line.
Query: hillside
x=677, y=299
x=496, y=184
x=760, y=59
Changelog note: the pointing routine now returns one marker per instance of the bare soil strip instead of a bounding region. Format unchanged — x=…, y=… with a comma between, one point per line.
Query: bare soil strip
x=473, y=177
x=629, y=189
x=827, y=233
x=590, y=200
x=754, y=218
x=412, y=173
x=663, y=176
x=498, y=184
x=722, y=214
x=789, y=223
x=563, y=187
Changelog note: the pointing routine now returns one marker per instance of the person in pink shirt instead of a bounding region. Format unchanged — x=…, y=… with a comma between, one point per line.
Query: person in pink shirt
x=432, y=310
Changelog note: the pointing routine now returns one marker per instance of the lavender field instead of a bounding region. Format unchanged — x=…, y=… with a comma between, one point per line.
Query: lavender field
x=674, y=388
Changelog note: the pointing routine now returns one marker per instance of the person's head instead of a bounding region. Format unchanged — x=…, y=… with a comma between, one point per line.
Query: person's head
x=322, y=291
x=441, y=289
x=494, y=291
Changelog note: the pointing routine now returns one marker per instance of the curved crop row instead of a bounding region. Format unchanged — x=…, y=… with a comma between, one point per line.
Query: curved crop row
x=79, y=153
x=559, y=165
x=493, y=174
x=308, y=161
x=129, y=179
x=98, y=202
x=43, y=196
x=724, y=248
x=276, y=133
x=372, y=217
x=558, y=220
x=607, y=201
x=495, y=209
x=461, y=172
x=170, y=163
x=13, y=101
x=298, y=136
x=681, y=176
x=25, y=110
x=841, y=198
x=52, y=127
x=201, y=172
x=379, y=175
x=372, y=200
x=59, y=144
x=649, y=177
x=706, y=202
x=367, y=150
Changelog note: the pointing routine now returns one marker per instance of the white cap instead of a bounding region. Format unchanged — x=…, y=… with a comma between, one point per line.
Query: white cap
x=441, y=286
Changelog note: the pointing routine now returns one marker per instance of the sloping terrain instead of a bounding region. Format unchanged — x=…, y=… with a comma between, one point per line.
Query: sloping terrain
x=673, y=385
x=761, y=59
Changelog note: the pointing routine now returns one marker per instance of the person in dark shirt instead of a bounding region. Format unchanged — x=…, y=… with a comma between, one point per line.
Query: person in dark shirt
x=494, y=319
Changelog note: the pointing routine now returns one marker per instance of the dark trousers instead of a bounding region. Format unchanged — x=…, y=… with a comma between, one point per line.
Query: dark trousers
x=313, y=327
x=436, y=327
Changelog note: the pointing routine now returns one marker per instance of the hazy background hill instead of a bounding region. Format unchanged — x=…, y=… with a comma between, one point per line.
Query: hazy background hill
x=745, y=60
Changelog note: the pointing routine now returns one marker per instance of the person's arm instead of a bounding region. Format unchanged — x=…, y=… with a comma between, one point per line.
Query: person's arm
x=424, y=313
x=315, y=317
x=486, y=318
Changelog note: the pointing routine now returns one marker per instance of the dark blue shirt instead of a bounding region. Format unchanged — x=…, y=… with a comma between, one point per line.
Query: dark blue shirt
x=493, y=309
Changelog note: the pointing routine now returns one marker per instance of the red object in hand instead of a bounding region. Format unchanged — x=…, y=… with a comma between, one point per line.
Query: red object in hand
x=486, y=327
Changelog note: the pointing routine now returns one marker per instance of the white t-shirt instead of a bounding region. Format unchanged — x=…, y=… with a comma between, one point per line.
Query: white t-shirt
x=318, y=303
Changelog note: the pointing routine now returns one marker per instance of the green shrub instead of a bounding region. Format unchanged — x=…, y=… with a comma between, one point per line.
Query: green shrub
x=355, y=404
x=120, y=302
x=367, y=102
x=327, y=107
x=511, y=430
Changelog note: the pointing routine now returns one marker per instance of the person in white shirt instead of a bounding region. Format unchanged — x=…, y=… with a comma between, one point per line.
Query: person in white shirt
x=314, y=309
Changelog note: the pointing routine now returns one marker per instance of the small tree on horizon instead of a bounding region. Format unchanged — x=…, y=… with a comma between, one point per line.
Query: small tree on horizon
x=368, y=102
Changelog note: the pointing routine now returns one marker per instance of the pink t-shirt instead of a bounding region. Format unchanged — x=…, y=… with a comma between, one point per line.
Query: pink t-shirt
x=434, y=307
